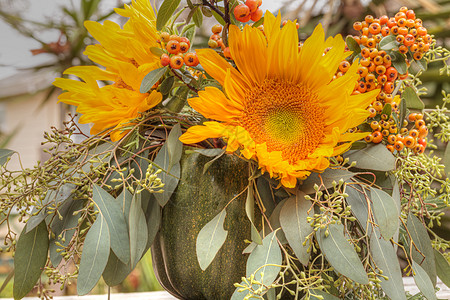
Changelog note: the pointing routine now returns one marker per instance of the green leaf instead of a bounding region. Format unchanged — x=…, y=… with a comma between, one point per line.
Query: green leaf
x=357, y=199
x=29, y=259
x=266, y=258
x=157, y=51
x=386, y=212
x=274, y=220
x=178, y=101
x=442, y=267
x=210, y=239
x=208, y=152
x=151, y=78
x=166, y=11
x=4, y=155
x=51, y=197
x=386, y=259
x=446, y=160
x=373, y=157
x=209, y=163
x=259, y=22
x=295, y=226
x=328, y=176
x=420, y=237
x=423, y=282
x=353, y=45
x=166, y=85
x=112, y=212
x=115, y=271
x=125, y=198
x=402, y=115
x=174, y=146
x=218, y=18
x=387, y=109
x=64, y=227
x=411, y=99
x=398, y=61
x=265, y=193
x=250, y=211
x=138, y=230
x=152, y=216
x=171, y=179
x=388, y=43
x=340, y=254
x=198, y=17
x=323, y=295
x=206, y=11
x=94, y=257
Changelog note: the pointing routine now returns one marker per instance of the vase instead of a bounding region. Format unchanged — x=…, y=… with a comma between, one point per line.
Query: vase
x=198, y=198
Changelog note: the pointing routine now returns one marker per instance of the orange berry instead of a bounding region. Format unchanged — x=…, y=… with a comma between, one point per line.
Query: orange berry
x=176, y=62
x=403, y=9
x=392, y=139
x=241, y=12
x=216, y=29
x=378, y=60
x=400, y=38
x=165, y=59
x=419, y=123
x=403, y=49
x=252, y=5
x=400, y=15
x=165, y=36
x=414, y=133
x=385, y=132
x=380, y=70
x=363, y=71
x=368, y=19
x=410, y=141
x=256, y=15
x=365, y=31
x=363, y=39
x=362, y=86
x=175, y=37
x=227, y=52
x=344, y=66
x=374, y=28
x=212, y=44
x=378, y=106
x=385, y=31
x=394, y=30
x=401, y=22
x=391, y=23
x=369, y=138
x=173, y=47
x=418, y=55
x=409, y=40
x=421, y=31
x=389, y=87
x=184, y=47
x=382, y=79
x=403, y=76
x=372, y=112
x=215, y=37
x=423, y=131
x=422, y=142
x=365, y=52
x=371, y=43
x=391, y=74
x=377, y=137
x=357, y=26
x=186, y=40
x=370, y=78
x=399, y=145
x=393, y=129
x=410, y=23
x=390, y=148
x=191, y=59
x=412, y=117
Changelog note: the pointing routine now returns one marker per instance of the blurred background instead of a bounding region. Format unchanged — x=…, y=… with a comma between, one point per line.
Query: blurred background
x=39, y=39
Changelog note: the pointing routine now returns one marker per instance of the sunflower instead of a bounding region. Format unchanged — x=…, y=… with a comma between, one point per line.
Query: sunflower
x=126, y=57
x=281, y=106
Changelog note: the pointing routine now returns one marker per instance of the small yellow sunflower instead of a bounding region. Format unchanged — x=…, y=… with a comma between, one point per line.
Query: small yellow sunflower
x=125, y=54
x=281, y=106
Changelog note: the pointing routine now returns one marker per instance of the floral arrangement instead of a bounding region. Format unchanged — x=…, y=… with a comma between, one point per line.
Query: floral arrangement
x=304, y=169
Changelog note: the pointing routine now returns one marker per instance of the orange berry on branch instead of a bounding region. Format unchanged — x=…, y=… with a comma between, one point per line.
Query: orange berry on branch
x=377, y=137
x=257, y=15
x=227, y=53
x=410, y=14
x=403, y=49
x=423, y=131
x=412, y=117
x=419, y=123
x=175, y=37
x=391, y=74
x=165, y=36
x=252, y=5
x=384, y=19
x=216, y=29
x=184, y=47
x=344, y=66
x=385, y=31
x=191, y=59
x=242, y=13
x=173, y=47
x=212, y=44
x=390, y=148
x=400, y=15
x=176, y=62
x=368, y=19
x=410, y=142
x=403, y=31
x=165, y=60
x=399, y=145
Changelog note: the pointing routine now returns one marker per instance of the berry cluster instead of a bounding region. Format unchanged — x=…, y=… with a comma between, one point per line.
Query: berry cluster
x=215, y=41
x=248, y=11
x=177, y=48
x=407, y=30
x=377, y=71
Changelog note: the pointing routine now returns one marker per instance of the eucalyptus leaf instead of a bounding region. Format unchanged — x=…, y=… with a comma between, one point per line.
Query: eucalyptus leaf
x=266, y=258
x=94, y=257
x=295, y=226
x=386, y=212
x=151, y=78
x=250, y=211
x=274, y=220
x=29, y=259
x=411, y=99
x=112, y=212
x=419, y=236
x=385, y=258
x=210, y=239
x=423, y=282
x=174, y=146
x=328, y=177
x=153, y=218
x=170, y=179
x=5, y=154
x=138, y=230
x=265, y=193
x=166, y=11
x=125, y=198
x=358, y=198
x=373, y=157
x=209, y=152
x=340, y=254
x=442, y=267
x=115, y=271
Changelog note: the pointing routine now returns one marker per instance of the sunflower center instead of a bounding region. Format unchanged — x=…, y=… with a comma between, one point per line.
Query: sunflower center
x=286, y=117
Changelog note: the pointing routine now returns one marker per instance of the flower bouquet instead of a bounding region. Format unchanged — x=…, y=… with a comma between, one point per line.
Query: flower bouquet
x=257, y=167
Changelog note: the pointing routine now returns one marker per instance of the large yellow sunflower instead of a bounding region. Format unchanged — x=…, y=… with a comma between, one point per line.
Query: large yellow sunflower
x=281, y=106
x=126, y=57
